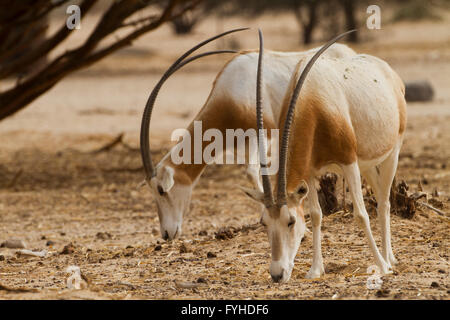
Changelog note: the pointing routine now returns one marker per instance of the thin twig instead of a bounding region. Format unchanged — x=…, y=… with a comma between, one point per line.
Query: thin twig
x=429, y=206
x=16, y=290
x=138, y=21
x=343, y=195
x=127, y=146
x=16, y=177
x=109, y=145
x=124, y=169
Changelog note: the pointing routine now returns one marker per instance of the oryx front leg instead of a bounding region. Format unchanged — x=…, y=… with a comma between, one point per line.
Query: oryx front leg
x=352, y=175
x=253, y=169
x=253, y=165
x=317, y=268
x=254, y=177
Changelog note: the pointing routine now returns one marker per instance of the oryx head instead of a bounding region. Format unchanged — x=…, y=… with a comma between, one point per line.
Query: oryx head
x=172, y=193
x=171, y=190
x=283, y=218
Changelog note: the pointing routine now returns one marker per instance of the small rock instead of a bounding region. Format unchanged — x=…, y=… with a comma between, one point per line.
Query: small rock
x=203, y=233
x=397, y=296
x=68, y=249
x=184, y=248
x=158, y=247
x=13, y=244
x=441, y=271
x=419, y=91
x=2, y=258
x=434, y=284
x=103, y=235
x=50, y=243
x=201, y=280
x=211, y=255
x=383, y=293
x=224, y=234
x=129, y=252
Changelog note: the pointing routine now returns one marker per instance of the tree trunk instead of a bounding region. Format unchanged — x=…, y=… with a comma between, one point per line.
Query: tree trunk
x=332, y=24
x=33, y=84
x=309, y=24
x=349, y=7
x=184, y=24
x=309, y=27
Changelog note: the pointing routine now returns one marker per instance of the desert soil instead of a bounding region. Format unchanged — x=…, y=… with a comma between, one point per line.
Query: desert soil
x=54, y=191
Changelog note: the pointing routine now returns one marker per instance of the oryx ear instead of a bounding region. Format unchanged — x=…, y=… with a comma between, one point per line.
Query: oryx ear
x=301, y=191
x=166, y=178
x=253, y=193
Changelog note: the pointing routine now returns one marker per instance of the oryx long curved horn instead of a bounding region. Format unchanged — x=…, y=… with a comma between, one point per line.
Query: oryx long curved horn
x=282, y=194
x=198, y=56
x=268, y=196
x=146, y=117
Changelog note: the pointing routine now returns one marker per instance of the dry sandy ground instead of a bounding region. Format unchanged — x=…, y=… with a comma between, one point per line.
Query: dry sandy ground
x=53, y=189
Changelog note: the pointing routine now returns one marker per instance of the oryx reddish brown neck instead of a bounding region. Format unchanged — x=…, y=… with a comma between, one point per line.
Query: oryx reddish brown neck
x=287, y=118
x=321, y=138
x=220, y=113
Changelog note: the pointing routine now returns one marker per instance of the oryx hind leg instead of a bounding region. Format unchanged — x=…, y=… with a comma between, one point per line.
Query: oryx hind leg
x=353, y=178
x=381, y=182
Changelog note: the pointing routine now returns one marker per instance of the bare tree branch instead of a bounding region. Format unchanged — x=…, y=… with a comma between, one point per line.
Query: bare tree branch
x=84, y=55
x=25, y=60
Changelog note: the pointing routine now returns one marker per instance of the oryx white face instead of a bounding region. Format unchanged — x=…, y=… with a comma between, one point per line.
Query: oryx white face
x=285, y=234
x=172, y=199
x=285, y=229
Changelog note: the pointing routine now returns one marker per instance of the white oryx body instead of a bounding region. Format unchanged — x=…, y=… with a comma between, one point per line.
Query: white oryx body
x=230, y=105
x=237, y=80
x=350, y=117
x=364, y=101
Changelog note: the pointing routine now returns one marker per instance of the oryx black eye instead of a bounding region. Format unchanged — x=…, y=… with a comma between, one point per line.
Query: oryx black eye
x=291, y=223
x=302, y=190
x=161, y=191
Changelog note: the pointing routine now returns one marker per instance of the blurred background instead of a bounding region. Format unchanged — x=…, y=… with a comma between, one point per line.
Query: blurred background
x=104, y=70
x=71, y=103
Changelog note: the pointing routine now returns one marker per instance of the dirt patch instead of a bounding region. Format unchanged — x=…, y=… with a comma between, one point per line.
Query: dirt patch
x=96, y=219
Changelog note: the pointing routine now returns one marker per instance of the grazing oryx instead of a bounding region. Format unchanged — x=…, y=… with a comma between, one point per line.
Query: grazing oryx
x=350, y=118
x=230, y=105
